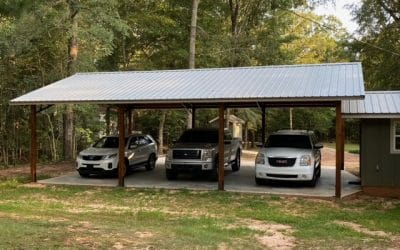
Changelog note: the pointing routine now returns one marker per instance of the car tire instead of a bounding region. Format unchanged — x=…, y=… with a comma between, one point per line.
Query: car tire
x=259, y=181
x=84, y=175
x=151, y=162
x=313, y=182
x=171, y=174
x=214, y=172
x=319, y=171
x=236, y=162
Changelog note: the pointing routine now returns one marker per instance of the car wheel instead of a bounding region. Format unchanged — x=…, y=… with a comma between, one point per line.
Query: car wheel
x=236, y=162
x=259, y=181
x=84, y=175
x=214, y=172
x=171, y=174
x=151, y=162
x=313, y=182
x=319, y=171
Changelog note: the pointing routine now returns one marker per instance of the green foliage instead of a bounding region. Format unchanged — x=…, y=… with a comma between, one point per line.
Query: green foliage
x=379, y=46
x=320, y=120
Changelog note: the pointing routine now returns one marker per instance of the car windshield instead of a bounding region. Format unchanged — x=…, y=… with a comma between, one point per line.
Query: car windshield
x=108, y=142
x=288, y=141
x=199, y=136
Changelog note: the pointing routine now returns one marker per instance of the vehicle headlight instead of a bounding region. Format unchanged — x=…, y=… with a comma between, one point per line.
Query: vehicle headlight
x=305, y=160
x=109, y=156
x=168, y=157
x=260, y=159
x=207, y=154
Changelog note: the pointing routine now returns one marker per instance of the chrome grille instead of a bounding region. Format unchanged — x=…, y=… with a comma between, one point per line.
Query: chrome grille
x=281, y=162
x=186, y=154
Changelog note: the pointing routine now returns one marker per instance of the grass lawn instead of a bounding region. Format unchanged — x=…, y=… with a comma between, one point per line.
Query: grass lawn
x=348, y=147
x=45, y=217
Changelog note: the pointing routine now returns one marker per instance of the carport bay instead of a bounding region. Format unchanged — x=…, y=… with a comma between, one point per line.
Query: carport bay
x=241, y=181
x=319, y=85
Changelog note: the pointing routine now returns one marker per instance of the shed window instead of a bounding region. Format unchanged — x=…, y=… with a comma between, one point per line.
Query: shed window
x=395, y=137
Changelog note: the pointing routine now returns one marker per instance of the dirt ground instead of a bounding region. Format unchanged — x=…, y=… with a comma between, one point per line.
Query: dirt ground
x=352, y=164
x=351, y=161
x=44, y=170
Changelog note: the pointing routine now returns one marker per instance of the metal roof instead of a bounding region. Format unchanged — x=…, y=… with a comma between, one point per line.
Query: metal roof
x=313, y=82
x=377, y=104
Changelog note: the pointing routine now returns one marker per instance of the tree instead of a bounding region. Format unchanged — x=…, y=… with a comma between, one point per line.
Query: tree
x=69, y=131
x=379, y=46
x=192, y=48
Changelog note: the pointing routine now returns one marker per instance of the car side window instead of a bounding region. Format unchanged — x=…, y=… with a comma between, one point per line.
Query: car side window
x=313, y=139
x=133, y=142
x=227, y=136
x=148, y=140
x=142, y=141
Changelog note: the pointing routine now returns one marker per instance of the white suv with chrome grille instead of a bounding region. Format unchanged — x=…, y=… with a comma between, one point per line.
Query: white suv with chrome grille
x=102, y=157
x=289, y=155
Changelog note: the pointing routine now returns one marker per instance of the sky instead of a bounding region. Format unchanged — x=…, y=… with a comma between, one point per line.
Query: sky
x=339, y=10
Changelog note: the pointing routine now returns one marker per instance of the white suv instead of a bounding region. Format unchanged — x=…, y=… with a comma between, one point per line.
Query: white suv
x=102, y=157
x=289, y=155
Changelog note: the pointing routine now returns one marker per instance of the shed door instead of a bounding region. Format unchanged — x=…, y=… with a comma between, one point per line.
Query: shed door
x=377, y=167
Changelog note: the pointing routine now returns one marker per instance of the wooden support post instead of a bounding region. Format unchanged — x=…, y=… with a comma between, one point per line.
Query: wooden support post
x=129, y=121
x=33, y=156
x=221, y=147
x=263, y=125
x=339, y=150
x=193, y=117
x=121, y=147
x=360, y=155
x=343, y=142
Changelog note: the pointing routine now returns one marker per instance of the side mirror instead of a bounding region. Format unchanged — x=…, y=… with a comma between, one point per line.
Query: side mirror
x=318, y=146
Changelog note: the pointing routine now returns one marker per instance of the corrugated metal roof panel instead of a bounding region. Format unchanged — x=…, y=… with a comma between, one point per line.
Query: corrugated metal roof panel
x=270, y=83
x=377, y=104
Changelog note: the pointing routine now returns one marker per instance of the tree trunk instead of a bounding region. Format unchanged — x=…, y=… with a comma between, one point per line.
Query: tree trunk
x=253, y=138
x=52, y=139
x=234, y=7
x=69, y=131
x=108, y=114
x=192, y=41
x=192, y=48
x=161, y=131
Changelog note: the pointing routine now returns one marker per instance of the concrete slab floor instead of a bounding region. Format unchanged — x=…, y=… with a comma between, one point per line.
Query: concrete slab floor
x=241, y=181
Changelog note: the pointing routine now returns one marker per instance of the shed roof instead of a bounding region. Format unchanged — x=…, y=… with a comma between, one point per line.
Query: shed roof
x=231, y=118
x=377, y=104
x=314, y=82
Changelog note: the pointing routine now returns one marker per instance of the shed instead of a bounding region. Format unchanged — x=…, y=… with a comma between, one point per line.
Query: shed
x=379, y=115
x=315, y=85
x=235, y=125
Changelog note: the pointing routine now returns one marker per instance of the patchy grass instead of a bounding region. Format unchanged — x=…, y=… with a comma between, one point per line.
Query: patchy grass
x=100, y=218
x=353, y=148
